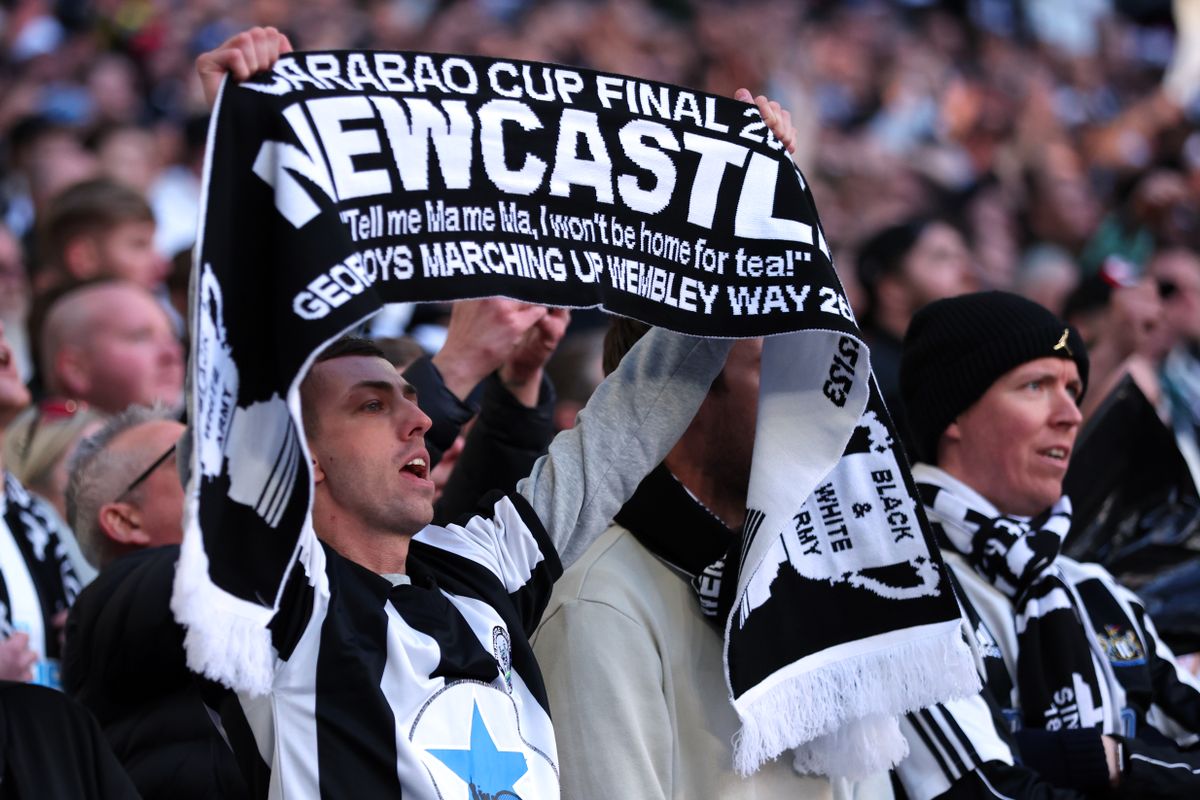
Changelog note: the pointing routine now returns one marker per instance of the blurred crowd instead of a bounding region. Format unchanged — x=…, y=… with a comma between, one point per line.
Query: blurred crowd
x=1041, y=147
x=1047, y=137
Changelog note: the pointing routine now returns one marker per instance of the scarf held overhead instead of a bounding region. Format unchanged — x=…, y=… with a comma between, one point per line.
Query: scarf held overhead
x=342, y=181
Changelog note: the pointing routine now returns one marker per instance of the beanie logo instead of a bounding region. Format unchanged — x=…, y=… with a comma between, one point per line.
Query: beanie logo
x=1062, y=343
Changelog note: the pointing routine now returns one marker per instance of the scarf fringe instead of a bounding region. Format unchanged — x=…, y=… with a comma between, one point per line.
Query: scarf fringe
x=840, y=717
x=227, y=638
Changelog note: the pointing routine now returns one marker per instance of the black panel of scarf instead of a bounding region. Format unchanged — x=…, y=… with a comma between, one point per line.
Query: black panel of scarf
x=673, y=525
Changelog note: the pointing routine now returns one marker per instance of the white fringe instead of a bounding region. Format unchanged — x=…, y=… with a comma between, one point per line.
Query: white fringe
x=840, y=717
x=860, y=748
x=227, y=638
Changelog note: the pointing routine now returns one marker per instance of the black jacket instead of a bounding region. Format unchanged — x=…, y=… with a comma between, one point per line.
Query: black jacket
x=51, y=749
x=124, y=662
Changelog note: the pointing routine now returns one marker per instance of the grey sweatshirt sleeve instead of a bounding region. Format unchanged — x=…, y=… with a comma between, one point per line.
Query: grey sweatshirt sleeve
x=627, y=428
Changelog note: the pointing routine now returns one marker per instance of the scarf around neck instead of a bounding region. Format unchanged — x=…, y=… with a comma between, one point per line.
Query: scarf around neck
x=1058, y=679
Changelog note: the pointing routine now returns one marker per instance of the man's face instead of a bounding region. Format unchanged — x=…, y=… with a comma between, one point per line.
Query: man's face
x=131, y=355
x=367, y=441
x=1014, y=444
x=14, y=395
x=1135, y=317
x=1178, y=275
x=728, y=416
x=127, y=252
x=158, y=498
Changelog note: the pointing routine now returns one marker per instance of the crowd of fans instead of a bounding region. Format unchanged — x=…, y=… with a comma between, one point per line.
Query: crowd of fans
x=1040, y=148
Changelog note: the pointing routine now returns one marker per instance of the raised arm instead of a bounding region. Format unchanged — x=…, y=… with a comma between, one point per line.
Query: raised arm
x=630, y=423
x=242, y=55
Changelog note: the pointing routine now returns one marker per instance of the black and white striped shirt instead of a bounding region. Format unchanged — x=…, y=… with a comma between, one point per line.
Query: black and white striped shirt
x=423, y=688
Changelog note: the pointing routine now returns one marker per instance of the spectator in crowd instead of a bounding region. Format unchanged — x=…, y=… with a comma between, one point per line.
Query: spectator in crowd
x=124, y=658
x=1081, y=695
x=37, y=583
x=1119, y=315
x=124, y=493
x=1176, y=271
x=499, y=566
x=111, y=345
x=398, y=614
x=37, y=447
x=901, y=269
x=39, y=443
x=101, y=229
x=633, y=664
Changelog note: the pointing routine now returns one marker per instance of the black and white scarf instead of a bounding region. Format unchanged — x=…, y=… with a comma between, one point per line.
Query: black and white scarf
x=340, y=181
x=1057, y=677
x=37, y=580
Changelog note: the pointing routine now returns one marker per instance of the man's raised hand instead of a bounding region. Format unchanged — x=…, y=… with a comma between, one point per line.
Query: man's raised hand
x=243, y=55
x=778, y=119
x=482, y=335
x=521, y=374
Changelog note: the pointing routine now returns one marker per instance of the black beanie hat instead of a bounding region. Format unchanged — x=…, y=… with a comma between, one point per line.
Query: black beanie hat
x=956, y=348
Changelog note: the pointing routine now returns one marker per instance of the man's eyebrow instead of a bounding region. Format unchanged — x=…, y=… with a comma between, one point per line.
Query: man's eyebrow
x=382, y=386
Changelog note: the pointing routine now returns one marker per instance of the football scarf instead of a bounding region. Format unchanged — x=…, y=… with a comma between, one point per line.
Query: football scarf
x=341, y=181
x=1058, y=679
x=37, y=580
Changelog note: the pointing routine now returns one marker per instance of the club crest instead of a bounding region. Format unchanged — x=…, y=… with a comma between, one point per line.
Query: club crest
x=502, y=650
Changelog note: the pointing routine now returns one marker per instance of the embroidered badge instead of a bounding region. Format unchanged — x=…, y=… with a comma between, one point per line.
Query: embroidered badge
x=502, y=650
x=1062, y=342
x=1123, y=649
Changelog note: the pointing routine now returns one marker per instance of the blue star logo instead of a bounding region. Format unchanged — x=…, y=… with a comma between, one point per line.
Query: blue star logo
x=483, y=766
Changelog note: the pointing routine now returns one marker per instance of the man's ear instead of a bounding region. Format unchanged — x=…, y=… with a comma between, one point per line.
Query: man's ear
x=949, y=441
x=71, y=368
x=122, y=523
x=81, y=257
x=317, y=473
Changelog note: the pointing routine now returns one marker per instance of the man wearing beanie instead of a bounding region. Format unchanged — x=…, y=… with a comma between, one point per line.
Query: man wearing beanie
x=1081, y=697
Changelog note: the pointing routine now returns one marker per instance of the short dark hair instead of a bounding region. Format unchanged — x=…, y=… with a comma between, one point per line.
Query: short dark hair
x=350, y=346
x=343, y=347
x=883, y=256
x=622, y=334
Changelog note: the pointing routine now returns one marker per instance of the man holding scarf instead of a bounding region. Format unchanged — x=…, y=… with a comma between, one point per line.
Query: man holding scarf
x=1079, y=688
x=398, y=655
x=631, y=643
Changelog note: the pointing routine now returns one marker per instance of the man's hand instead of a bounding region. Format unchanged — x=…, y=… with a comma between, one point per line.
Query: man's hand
x=1112, y=757
x=16, y=659
x=482, y=335
x=521, y=374
x=778, y=119
x=241, y=56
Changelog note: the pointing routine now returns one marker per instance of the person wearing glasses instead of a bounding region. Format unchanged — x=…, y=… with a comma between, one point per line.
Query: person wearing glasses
x=124, y=658
x=1176, y=271
x=37, y=581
